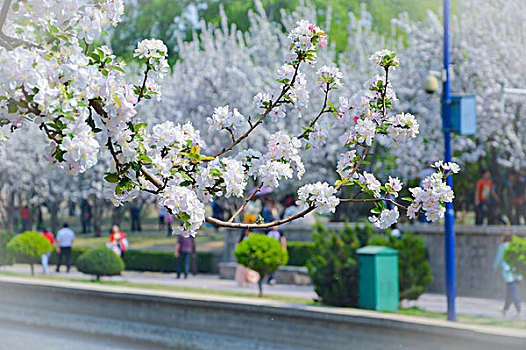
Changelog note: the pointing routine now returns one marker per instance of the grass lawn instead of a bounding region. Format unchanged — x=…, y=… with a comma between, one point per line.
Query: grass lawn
x=151, y=238
x=413, y=311
x=169, y=288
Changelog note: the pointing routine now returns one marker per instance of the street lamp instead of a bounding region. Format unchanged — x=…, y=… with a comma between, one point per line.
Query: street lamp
x=430, y=86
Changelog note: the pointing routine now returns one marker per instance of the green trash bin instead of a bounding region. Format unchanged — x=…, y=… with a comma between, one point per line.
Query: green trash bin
x=378, y=278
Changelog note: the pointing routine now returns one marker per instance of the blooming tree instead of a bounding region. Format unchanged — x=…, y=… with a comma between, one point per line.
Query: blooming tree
x=487, y=41
x=54, y=75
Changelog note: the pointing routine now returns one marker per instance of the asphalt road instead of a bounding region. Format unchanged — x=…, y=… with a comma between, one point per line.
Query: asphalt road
x=22, y=337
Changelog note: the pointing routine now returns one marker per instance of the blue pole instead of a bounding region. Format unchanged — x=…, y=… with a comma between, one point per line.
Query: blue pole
x=451, y=283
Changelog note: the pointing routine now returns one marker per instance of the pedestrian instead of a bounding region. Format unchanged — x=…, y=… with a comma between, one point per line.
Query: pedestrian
x=271, y=210
x=484, y=191
x=44, y=260
x=510, y=277
x=169, y=220
x=135, y=213
x=25, y=216
x=85, y=214
x=118, y=241
x=243, y=274
x=280, y=237
x=162, y=215
x=64, y=243
x=516, y=194
x=183, y=251
x=218, y=212
x=292, y=208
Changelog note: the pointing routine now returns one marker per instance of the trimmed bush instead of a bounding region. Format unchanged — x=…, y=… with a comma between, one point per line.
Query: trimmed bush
x=29, y=247
x=147, y=260
x=262, y=254
x=100, y=262
x=6, y=256
x=414, y=271
x=515, y=255
x=299, y=253
x=333, y=267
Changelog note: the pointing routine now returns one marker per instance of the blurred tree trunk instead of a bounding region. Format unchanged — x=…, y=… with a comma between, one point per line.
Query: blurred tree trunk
x=98, y=212
x=117, y=214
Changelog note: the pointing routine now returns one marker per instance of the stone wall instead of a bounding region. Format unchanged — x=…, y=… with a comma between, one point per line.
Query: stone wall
x=201, y=322
x=476, y=247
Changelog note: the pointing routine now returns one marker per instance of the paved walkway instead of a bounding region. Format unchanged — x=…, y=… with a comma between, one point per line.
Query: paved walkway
x=430, y=302
x=465, y=306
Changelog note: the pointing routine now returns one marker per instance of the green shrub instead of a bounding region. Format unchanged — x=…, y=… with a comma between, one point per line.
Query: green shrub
x=262, y=254
x=333, y=267
x=6, y=256
x=147, y=260
x=363, y=233
x=414, y=271
x=29, y=247
x=515, y=255
x=100, y=262
x=299, y=253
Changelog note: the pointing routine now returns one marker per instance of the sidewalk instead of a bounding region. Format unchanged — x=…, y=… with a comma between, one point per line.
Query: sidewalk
x=468, y=306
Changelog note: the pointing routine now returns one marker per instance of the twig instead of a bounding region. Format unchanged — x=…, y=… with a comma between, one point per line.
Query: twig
x=231, y=134
x=323, y=110
x=352, y=200
x=141, y=94
x=260, y=120
x=245, y=202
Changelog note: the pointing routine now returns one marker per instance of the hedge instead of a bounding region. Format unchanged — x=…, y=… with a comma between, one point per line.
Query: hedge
x=299, y=253
x=147, y=260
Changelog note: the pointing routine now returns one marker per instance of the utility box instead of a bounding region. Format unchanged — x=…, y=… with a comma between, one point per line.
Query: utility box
x=464, y=114
x=378, y=278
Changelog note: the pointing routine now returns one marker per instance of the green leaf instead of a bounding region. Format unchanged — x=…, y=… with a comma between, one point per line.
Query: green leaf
x=138, y=126
x=215, y=172
x=409, y=199
x=117, y=68
x=111, y=177
x=145, y=158
x=376, y=210
x=12, y=108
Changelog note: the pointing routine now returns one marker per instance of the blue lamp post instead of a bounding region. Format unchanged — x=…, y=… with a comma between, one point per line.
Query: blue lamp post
x=458, y=115
x=451, y=283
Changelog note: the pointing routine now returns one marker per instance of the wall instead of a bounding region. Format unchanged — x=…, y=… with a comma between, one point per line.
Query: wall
x=189, y=321
x=476, y=247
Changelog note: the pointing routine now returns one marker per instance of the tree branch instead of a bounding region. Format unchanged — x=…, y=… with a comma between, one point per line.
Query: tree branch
x=3, y=13
x=221, y=223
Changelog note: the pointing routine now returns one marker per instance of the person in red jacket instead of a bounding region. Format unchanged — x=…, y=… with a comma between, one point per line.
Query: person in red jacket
x=44, y=260
x=118, y=240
